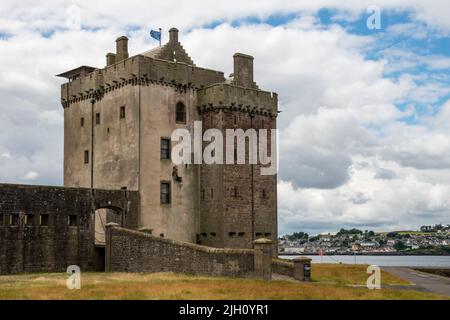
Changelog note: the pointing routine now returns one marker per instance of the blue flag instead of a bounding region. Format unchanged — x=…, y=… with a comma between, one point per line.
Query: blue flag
x=155, y=34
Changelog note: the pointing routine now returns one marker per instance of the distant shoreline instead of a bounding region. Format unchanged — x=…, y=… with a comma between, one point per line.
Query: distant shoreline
x=365, y=254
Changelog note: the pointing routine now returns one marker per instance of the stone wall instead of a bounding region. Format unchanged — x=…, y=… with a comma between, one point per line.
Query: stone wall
x=48, y=228
x=285, y=268
x=134, y=251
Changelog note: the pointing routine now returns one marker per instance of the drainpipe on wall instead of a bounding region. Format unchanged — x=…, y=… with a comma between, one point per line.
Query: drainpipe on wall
x=92, y=143
x=253, y=190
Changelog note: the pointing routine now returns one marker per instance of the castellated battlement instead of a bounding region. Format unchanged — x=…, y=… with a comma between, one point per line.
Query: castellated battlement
x=237, y=98
x=137, y=70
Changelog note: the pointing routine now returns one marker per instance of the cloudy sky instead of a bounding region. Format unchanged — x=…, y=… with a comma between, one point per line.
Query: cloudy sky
x=365, y=122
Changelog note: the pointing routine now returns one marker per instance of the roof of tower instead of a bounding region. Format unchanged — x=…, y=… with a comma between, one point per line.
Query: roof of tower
x=76, y=73
x=171, y=51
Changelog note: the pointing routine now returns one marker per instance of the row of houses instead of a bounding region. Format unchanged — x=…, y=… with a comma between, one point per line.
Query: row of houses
x=378, y=243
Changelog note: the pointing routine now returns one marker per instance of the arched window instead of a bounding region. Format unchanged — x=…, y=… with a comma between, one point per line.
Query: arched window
x=181, y=113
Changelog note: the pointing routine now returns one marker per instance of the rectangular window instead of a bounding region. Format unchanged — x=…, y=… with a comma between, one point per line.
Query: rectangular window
x=180, y=113
x=86, y=156
x=72, y=220
x=122, y=112
x=203, y=194
x=165, y=192
x=43, y=220
x=14, y=219
x=212, y=193
x=82, y=122
x=29, y=219
x=97, y=118
x=165, y=148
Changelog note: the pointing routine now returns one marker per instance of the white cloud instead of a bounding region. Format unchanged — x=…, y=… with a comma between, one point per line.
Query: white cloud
x=31, y=175
x=351, y=162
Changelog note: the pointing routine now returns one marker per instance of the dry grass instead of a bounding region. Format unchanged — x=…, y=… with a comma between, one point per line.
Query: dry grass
x=327, y=285
x=350, y=274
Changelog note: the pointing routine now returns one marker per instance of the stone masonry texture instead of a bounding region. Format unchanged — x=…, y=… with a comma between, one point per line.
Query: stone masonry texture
x=35, y=234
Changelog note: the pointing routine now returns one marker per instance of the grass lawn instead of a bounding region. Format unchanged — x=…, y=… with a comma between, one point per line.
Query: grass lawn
x=329, y=282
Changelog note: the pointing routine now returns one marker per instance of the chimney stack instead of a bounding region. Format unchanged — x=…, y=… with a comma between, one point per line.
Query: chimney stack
x=243, y=70
x=110, y=58
x=121, y=48
x=173, y=35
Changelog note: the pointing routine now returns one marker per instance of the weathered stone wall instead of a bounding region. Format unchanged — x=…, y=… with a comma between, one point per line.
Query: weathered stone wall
x=48, y=228
x=134, y=251
x=178, y=220
x=285, y=268
x=237, y=203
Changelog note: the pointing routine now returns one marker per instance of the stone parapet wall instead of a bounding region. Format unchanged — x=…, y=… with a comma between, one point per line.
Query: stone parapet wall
x=237, y=98
x=137, y=70
x=134, y=251
x=285, y=268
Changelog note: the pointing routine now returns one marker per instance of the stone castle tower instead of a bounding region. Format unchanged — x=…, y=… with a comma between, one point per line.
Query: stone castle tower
x=118, y=121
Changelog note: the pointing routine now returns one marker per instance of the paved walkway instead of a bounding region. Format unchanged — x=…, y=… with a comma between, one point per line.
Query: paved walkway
x=423, y=281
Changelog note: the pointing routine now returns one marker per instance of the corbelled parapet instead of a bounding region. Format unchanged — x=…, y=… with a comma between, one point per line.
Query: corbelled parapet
x=231, y=97
x=137, y=70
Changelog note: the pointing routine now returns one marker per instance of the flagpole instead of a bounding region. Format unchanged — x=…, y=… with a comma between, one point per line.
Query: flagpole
x=160, y=36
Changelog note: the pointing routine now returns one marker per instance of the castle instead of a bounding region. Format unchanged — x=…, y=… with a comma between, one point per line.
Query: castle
x=118, y=122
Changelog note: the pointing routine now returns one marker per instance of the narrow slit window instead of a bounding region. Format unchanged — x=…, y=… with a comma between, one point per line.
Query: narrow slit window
x=97, y=118
x=82, y=121
x=122, y=112
x=14, y=219
x=235, y=192
x=43, y=220
x=72, y=220
x=86, y=156
x=264, y=194
x=29, y=219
